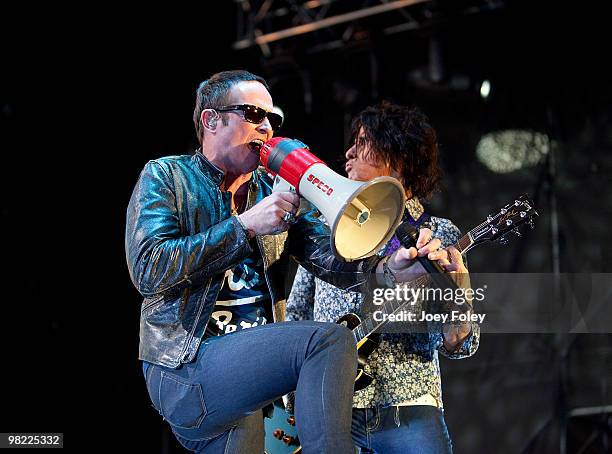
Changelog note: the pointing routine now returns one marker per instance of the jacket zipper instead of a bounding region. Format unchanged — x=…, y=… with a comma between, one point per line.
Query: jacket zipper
x=203, y=299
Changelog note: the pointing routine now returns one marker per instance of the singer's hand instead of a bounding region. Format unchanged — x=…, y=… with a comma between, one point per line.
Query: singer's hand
x=266, y=217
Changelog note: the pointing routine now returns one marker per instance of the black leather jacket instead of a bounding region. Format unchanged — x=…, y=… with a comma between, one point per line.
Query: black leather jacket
x=181, y=238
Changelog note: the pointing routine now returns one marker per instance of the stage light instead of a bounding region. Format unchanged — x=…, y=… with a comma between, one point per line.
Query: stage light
x=485, y=89
x=513, y=149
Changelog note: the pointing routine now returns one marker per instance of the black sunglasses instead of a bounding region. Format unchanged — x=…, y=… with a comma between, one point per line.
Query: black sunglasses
x=254, y=114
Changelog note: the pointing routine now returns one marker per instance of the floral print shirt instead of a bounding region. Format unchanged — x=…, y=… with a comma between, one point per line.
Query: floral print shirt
x=405, y=366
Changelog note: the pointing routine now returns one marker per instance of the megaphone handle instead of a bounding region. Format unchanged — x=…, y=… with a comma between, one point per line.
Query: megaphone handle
x=282, y=185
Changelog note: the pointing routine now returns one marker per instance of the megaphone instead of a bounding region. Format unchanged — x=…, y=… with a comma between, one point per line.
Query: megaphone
x=362, y=215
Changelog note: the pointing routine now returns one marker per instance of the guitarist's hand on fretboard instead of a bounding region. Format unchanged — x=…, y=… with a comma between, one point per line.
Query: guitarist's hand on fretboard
x=451, y=260
x=402, y=262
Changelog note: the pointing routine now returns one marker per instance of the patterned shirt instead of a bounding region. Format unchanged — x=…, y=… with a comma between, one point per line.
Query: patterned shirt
x=405, y=366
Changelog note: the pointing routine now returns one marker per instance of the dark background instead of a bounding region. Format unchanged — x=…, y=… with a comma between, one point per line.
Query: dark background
x=89, y=94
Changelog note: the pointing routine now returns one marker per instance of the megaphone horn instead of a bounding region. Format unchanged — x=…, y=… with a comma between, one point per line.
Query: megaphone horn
x=362, y=215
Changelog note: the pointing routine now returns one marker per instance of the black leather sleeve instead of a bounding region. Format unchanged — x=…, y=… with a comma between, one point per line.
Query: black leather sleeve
x=309, y=243
x=159, y=254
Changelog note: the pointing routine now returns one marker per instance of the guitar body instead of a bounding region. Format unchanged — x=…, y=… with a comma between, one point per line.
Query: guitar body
x=364, y=348
x=281, y=434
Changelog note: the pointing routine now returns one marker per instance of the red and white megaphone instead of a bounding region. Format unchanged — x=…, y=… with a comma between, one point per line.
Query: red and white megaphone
x=362, y=215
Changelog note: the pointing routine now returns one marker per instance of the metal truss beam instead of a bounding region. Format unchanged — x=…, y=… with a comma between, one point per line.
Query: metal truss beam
x=263, y=39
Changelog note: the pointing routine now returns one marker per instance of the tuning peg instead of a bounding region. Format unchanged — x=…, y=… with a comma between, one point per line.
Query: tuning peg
x=489, y=219
x=285, y=438
x=289, y=440
x=503, y=211
x=291, y=420
x=517, y=202
x=509, y=222
x=517, y=232
x=494, y=230
x=522, y=214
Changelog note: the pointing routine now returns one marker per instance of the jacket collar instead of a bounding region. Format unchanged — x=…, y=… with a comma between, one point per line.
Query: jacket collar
x=208, y=168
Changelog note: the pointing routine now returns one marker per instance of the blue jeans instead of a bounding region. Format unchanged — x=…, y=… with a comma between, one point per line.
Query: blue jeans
x=214, y=404
x=417, y=429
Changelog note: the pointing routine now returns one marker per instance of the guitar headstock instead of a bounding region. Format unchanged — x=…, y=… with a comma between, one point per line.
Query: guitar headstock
x=506, y=222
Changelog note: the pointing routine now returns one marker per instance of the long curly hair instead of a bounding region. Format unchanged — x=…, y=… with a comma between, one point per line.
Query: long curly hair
x=402, y=138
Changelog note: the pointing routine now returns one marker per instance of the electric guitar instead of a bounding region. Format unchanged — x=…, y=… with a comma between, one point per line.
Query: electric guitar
x=497, y=227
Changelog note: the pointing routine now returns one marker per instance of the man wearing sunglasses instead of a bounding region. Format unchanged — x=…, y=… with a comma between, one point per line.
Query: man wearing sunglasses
x=207, y=245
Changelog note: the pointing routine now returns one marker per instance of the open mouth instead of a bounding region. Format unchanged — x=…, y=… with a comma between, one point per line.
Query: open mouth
x=255, y=145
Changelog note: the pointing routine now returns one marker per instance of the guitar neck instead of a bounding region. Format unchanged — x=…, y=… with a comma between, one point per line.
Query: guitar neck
x=465, y=243
x=496, y=227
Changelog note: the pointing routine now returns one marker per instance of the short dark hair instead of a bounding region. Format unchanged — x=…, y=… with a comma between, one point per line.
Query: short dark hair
x=214, y=92
x=402, y=137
